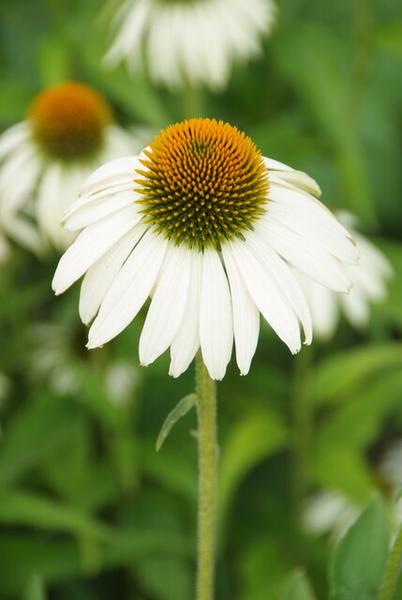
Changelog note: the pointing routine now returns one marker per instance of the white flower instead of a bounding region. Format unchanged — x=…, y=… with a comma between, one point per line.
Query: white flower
x=190, y=40
x=208, y=231
x=368, y=277
x=329, y=512
x=68, y=132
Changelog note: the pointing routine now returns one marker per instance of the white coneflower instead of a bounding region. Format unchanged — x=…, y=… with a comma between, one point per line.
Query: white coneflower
x=207, y=227
x=369, y=280
x=68, y=131
x=329, y=512
x=193, y=41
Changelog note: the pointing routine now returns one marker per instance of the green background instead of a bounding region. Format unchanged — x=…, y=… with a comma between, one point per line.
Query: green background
x=88, y=509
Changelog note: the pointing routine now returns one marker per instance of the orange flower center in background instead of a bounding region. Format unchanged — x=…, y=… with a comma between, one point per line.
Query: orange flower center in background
x=204, y=183
x=69, y=120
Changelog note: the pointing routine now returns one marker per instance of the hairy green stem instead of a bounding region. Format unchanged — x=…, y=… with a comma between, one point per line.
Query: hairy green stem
x=392, y=570
x=207, y=479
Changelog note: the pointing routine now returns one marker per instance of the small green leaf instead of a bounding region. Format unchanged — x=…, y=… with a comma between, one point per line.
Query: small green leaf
x=359, y=559
x=179, y=411
x=34, y=589
x=297, y=587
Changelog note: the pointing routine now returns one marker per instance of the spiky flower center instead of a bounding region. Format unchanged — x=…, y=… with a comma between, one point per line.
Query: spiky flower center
x=69, y=120
x=203, y=182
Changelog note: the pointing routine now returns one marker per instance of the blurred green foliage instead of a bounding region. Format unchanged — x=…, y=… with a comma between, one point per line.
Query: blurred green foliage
x=88, y=509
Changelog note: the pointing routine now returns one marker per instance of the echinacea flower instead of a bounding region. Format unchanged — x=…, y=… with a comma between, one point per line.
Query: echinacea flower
x=206, y=227
x=369, y=280
x=193, y=41
x=69, y=130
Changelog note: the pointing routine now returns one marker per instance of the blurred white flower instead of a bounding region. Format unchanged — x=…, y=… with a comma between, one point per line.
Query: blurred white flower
x=121, y=380
x=390, y=466
x=329, y=512
x=207, y=231
x=193, y=41
x=369, y=278
x=55, y=357
x=69, y=130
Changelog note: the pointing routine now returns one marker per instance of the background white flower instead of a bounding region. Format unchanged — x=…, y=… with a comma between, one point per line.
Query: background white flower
x=207, y=231
x=369, y=280
x=69, y=130
x=190, y=40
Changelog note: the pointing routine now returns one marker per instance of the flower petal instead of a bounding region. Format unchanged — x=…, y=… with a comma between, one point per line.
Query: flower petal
x=91, y=244
x=168, y=303
x=99, y=278
x=216, y=322
x=187, y=340
x=268, y=297
x=129, y=290
x=246, y=316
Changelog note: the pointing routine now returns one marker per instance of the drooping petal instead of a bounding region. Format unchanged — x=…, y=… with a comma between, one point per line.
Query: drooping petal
x=285, y=281
x=187, y=340
x=246, y=316
x=129, y=290
x=303, y=213
x=91, y=244
x=168, y=304
x=305, y=254
x=98, y=279
x=268, y=297
x=216, y=321
x=116, y=172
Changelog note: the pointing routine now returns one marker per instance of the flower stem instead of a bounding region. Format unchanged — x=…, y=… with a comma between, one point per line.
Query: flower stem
x=392, y=570
x=207, y=478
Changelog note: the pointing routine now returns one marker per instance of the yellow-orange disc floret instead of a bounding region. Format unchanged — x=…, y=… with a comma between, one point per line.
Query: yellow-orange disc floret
x=69, y=120
x=204, y=182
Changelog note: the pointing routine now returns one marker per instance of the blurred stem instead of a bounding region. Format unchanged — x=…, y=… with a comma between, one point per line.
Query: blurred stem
x=207, y=478
x=302, y=426
x=392, y=570
x=192, y=101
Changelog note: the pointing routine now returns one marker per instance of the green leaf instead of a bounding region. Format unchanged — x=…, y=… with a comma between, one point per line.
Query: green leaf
x=251, y=440
x=18, y=507
x=37, y=430
x=297, y=587
x=35, y=589
x=342, y=374
x=359, y=559
x=389, y=38
x=179, y=411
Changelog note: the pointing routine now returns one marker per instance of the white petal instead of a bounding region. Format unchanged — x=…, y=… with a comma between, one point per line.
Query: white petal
x=324, y=306
x=91, y=244
x=305, y=254
x=57, y=189
x=356, y=307
x=216, y=322
x=13, y=138
x=285, y=280
x=98, y=279
x=264, y=291
x=129, y=290
x=98, y=209
x=118, y=171
x=309, y=217
x=187, y=340
x=297, y=180
x=275, y=165
x=246, y=316
x=168, y=303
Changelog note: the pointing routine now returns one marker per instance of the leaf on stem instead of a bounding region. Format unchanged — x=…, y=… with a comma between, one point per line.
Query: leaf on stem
x=179, y=411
